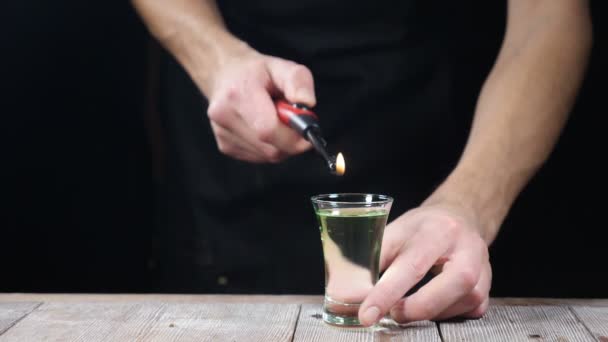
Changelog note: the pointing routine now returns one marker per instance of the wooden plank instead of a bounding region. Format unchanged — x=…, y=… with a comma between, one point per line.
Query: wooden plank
x=99, y=321
x=288, y=299
x=519, y=323
x=225, y=322
x=52, y=297
x=11, y=313
x=595, y=319
x=312, y=328
x=70, y=322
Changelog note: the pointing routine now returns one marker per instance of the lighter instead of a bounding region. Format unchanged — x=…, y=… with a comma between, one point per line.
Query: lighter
x=306, y=123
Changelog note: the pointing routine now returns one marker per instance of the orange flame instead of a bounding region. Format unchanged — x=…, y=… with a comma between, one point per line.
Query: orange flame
x=340, y=164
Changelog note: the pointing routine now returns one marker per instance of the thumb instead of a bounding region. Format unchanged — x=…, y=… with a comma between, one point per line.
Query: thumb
x=293, y=80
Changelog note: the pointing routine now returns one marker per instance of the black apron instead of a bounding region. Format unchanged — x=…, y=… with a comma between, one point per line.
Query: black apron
x=383, y=81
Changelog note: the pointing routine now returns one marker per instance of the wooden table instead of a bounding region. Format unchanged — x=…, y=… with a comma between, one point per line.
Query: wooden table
x=40, y=317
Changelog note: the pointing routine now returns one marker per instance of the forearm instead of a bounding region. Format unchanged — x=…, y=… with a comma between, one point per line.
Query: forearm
x=522, y=108
x=193, y=31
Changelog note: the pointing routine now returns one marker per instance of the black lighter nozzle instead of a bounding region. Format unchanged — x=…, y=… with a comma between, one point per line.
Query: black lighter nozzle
x=319, y=144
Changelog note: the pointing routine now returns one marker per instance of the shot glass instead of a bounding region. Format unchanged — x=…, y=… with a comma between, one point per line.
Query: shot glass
x=352, y=227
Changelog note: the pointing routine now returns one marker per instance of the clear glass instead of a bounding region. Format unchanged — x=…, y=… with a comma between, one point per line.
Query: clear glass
x=352, y=226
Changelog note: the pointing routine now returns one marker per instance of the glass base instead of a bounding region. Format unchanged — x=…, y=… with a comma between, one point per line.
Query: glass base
x=341, y=314
x=340, y=320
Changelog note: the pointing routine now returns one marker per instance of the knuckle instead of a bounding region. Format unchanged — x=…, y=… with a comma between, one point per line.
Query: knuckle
x=225, y=148
x=219, y=134
x=265, y=132
x=217, y=112
x=214, y=110
x=233, y=92
x=450, y=227
x=273, y=155
x=468, y=278
x=474, y=299
x=418, y=268
x=216, y=129
x=441, y=228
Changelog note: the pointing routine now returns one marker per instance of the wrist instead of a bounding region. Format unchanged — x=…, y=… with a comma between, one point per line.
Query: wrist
x=483, y=199
x=204, y=51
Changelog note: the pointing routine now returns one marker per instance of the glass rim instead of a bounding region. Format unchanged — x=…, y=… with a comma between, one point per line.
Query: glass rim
x=334, y=198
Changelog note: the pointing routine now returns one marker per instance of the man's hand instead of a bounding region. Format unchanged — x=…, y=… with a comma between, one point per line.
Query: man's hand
x=435, y=237
x=242, y=112
x=237, y=80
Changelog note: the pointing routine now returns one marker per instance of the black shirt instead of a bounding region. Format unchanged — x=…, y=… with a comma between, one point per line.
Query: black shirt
x=383, y=81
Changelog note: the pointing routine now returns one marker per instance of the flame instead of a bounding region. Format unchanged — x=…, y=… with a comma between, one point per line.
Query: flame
x=340, y=164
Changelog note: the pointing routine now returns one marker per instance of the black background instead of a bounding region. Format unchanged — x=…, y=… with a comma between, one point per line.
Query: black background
x=79, y=166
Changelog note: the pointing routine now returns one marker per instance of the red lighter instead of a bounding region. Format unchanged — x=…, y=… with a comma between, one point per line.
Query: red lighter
x=306, y=123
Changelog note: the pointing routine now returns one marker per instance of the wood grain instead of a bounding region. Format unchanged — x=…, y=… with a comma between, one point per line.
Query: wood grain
x=595, y=319
x=519, y=323
x=99, y=321
x=11, y=313
x=312, y=328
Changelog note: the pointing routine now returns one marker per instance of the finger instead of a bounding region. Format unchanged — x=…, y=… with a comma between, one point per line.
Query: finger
x=232, y=145
x=390, y=246
x=408, y=268
x=224, y=134
x=394, y=233
x=293, y=80
x=259, y=113
x=237, y=153
x=459, y=277
x=472, y=304
x=224, y=115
